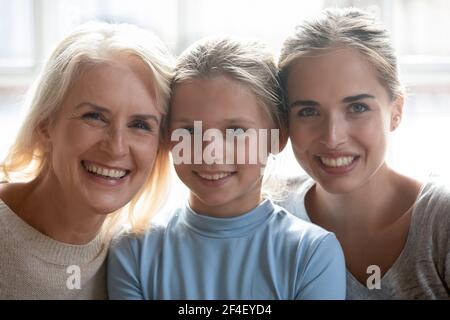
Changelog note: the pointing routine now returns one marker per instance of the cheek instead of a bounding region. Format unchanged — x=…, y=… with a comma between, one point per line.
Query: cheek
x=73, y=139
x=183, y=172
x=145, y=153
x=84, y=140
x=372, y=135
x=256, y=148
x=238, y=151
x=250, y=150
x=248, y=174
x=301, y=137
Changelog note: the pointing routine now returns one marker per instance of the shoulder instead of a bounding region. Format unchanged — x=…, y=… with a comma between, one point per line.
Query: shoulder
x=293, y=199
x=14, y=194
x=314, y=250
x=3, y=186
x=7, y=191
x=431, y=213
x=305, y=234
x=295, y=184
x=434, y=201
x=8, y=216
x=296, y=224
x=439, y=193
x=129, y=250
x=149, y=241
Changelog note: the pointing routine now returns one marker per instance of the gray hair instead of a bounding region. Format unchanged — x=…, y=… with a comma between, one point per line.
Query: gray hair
x=345, y=27
x=248, y=62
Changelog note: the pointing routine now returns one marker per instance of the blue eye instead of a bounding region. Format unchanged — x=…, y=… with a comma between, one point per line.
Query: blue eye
x=308, y=112
x=142, y=125
x=358, y=108
x=236, y=131
x=93, y=116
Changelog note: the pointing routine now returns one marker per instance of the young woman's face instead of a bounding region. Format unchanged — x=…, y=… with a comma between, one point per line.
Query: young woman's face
x=105, y=138
x=340, y=118
x=219, y=103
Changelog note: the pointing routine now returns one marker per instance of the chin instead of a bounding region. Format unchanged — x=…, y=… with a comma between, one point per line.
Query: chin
x=106, y=209
x=106, y=206
x=212, y=201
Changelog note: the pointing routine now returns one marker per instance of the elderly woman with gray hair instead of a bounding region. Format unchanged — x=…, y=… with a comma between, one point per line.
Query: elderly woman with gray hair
x=88, y=154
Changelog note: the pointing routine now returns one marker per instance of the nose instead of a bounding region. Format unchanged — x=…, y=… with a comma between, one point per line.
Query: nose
x=213, y=147
x=334, y=132
x=115, y=143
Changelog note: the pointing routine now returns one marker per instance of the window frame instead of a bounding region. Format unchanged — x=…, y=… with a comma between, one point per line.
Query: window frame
x=415, y=69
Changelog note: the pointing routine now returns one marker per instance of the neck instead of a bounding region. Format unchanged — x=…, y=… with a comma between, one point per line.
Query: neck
x=233, y=208
x=54, y=213
x=374, y=205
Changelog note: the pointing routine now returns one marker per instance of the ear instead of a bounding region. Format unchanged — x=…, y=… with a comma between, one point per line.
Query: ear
x=43, y=133
x=396, y=112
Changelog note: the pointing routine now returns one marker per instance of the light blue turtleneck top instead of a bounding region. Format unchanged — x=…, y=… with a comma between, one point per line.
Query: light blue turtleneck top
x=264, y=254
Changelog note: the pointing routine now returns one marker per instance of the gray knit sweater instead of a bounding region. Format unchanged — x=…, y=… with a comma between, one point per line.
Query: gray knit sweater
x=422, y=271
x=34, y=266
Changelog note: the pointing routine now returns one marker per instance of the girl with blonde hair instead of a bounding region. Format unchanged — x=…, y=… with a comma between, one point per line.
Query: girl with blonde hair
x=228, y=241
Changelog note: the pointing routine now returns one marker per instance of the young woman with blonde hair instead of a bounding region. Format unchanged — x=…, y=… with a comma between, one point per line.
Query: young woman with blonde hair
x=340, y=75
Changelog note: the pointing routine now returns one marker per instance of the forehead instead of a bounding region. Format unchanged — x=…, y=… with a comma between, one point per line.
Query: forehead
x=337, y=72
x=215, y=97
x=117, y=69
x=117, y=81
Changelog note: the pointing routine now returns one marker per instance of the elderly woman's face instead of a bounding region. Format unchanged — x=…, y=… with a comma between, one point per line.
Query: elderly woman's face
x=105, y=138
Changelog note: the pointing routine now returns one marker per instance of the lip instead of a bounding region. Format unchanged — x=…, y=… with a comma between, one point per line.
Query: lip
x=336, y=154
x=337, y=170
x=106, y=166
x=214, y=183
x=102, y=181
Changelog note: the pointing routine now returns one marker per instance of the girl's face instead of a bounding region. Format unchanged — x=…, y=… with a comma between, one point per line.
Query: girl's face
x=340, y=118
x=105, y=138
x=219, y=103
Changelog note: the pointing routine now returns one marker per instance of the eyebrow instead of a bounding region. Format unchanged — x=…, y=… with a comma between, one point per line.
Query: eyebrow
x=106, y=110
x=93, y=106
x=304, y=103
x=239, y=121
x=312, y=103
x=357, y=97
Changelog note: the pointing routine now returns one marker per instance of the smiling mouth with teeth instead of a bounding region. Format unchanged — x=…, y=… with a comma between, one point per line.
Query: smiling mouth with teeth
x=114, y=174
x=215, y=176
x=337, y=162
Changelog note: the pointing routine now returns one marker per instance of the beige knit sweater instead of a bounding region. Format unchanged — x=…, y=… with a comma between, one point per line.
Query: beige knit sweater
x=34, y=266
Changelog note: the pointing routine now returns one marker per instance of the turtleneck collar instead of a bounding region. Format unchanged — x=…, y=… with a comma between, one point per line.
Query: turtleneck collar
x=228, y=227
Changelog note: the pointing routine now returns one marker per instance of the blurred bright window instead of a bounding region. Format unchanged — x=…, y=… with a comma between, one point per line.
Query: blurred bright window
x=16, y=34
x=30, y=28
